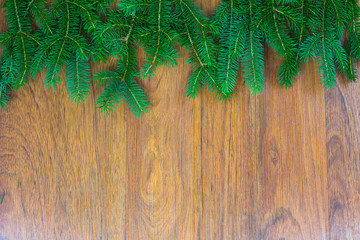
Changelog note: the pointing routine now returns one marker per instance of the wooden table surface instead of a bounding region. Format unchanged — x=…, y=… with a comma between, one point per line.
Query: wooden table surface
x=282, y=165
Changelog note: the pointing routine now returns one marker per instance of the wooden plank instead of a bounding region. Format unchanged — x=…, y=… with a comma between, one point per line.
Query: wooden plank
x=61, y=176
x=162, y=176
x=27, y=165
x=343, y=160
x=115, y=142
x=230, y=179
x=293, y=156
x=230, y=147
x=90, y=186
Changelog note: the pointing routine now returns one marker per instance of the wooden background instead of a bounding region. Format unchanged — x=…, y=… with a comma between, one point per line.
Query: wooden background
x=282, y=165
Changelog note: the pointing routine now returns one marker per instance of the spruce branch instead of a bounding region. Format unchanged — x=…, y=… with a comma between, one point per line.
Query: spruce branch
x=101, y=6
x=291, y=66
x=78, y=78
x=275, y=22
x=38, y=11
x=158, y=36
x=324, y=44
x=193, y=29
x=253, y=55
x=18, y=43
x=240, y=40
x=121, y=85
x=111, y=36
x=117, y=36
x=230, y=21
x=6, y=81
x=353, y=41
x=67, y=45
x=253, y=61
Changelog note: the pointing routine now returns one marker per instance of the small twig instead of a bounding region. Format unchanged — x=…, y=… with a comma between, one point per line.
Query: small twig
x=2, y=199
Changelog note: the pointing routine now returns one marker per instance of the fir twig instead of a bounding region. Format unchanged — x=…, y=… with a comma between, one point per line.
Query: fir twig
x=195, y=26
x=324, y=44
x=118, y=37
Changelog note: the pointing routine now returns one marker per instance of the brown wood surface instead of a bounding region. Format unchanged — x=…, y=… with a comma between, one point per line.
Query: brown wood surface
x=282, y=165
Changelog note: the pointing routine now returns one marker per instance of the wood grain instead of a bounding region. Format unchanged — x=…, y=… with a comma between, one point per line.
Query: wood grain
x=343, y=161
x=281, y=165
x=293, y=157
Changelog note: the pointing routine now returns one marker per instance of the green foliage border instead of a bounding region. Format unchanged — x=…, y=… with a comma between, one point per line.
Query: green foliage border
x=72, y=33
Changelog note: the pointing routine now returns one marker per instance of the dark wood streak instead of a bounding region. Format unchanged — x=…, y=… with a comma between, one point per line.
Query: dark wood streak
x=282, y=226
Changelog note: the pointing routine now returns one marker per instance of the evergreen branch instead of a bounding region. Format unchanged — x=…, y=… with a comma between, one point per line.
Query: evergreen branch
x=136, y=99
x=291, y=66
x=231, y=43
x=326, y=71
x=262, y=19
x=278, y=35
x=24, y=74
x=41, y=18
x=166, y=34
x=253, y=57
x=148, y=33
x=76, y=42
x=308, y=47
x=158, y=42
x=4, y=95
x=353, y=41
x=103, y=78
x=254, y=63
x=286, y=15
x=4, y=40
x=157, y=37
x=132, y=6
x=182, y=2
x=53, y=80
x=120, y=84
x=203, y=64
x=31, y=37
x=339, y=53
x=302, y=30
x=225, y=84
x=338, y=14
x=111, y=96
x=126, y=39
x=213, y=83
x=193, y=46
x=112, y=26
x=202, y=26
x=17, y=15
x=84, y=9
x=39, y=57
x=29, y=5
x=351, y=73
x=194, y=84
x=78, y=81
x=16, y=41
